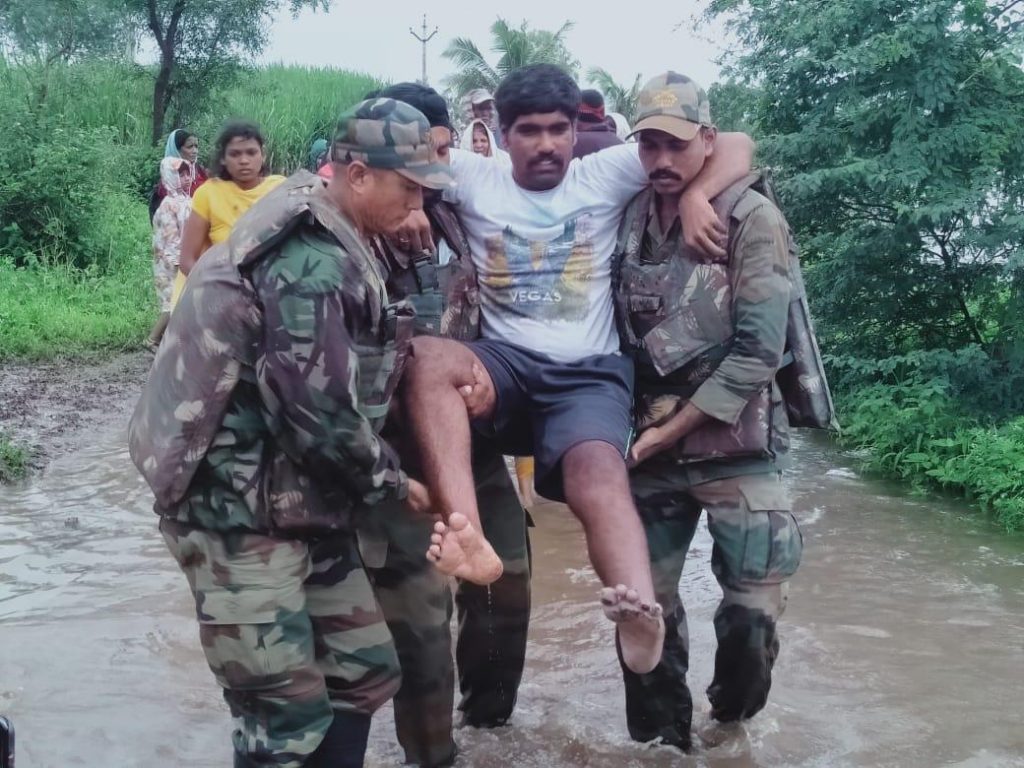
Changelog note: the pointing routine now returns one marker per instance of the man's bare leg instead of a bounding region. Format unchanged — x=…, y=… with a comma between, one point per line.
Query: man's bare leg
x=596, y=487
x=440, y=427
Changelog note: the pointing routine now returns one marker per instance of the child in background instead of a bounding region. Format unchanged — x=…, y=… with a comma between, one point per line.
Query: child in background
x=168, y=225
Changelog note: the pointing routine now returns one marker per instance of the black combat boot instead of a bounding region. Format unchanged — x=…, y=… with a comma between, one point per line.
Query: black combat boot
x=344, y=744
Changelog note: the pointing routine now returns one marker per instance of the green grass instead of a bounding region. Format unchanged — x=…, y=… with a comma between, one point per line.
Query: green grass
x=15, y=459
x=62, y=312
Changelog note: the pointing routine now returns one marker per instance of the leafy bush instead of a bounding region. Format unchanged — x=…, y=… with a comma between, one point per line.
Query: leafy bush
x=917, y=431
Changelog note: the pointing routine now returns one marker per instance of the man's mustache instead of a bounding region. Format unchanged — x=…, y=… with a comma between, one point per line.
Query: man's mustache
x=663, y=174
x=546, y=158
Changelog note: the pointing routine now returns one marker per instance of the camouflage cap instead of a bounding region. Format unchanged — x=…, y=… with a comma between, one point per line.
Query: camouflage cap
x=389, y=134
x=675, y=104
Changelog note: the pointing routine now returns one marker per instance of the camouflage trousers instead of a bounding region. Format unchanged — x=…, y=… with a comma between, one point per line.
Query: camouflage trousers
x=417, y=602
x=291, y=631
x=757, y=548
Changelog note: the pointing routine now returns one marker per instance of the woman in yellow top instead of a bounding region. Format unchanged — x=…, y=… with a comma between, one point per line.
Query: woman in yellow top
x=239, y=180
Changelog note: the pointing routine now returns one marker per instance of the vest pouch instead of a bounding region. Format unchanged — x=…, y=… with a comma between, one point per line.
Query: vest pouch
x=646, y=312
x=302, y=509
x=429, y=300
x=381, y=364
x=686, y=333
x=210, y=338
x=749, y=437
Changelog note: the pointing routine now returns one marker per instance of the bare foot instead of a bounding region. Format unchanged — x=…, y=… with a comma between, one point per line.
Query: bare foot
x=640, y=625
x=460, y=550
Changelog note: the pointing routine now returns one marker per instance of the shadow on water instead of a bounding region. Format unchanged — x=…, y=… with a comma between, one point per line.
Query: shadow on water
x=903, y=644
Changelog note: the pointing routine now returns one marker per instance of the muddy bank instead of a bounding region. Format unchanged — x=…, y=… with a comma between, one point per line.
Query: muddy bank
x=58, y=406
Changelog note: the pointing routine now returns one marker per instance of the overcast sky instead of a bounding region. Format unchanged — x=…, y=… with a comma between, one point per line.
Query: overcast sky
x=374, y=36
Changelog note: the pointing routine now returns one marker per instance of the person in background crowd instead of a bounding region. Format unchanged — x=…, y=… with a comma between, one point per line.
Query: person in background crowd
x=240, y=179
x=481, y=101
x=168, y=227
x=622, y=129
x=184, y=145
x=480, y=139
x=592, y=130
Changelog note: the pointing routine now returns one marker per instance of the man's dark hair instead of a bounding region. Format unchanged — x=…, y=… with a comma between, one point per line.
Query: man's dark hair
x=537, y=88
x=592, y=98
x=235, y=129
x=424, y=98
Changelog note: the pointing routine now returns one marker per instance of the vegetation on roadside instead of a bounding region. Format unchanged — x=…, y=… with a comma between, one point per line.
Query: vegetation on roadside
x=76, y=169
x=15, y=459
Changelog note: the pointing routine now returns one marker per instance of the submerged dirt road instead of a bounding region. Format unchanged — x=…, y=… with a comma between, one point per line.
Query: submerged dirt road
x=902, y=645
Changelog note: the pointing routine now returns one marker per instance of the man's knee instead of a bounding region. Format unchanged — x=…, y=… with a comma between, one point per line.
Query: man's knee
x=435, y=361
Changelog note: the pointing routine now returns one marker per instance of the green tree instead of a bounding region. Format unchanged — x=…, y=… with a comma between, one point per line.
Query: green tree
x=516, y=47
x=202, y=44
x=47, y=32
x=734, y=106
x=618, y=98
x=896, y=128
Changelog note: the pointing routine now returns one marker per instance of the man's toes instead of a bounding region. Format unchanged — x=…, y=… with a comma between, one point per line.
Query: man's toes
x=608, y=596
x=440, y=528
x=457, y=521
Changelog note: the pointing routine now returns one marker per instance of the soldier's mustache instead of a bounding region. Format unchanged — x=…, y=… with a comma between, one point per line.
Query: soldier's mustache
x=658, y=175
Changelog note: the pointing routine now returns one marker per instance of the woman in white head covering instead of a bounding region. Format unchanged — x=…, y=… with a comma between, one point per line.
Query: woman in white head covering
x=621, y=125
x=479, y=139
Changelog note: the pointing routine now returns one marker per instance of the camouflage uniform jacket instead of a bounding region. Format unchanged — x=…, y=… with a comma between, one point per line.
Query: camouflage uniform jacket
x=446, y=296
x=294, y=449
x=712, y=334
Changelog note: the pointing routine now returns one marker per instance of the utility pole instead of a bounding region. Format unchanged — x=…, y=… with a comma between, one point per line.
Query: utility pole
x=424, y=39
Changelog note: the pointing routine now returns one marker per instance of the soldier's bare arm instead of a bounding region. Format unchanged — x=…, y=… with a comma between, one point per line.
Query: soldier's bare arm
x=654, y=440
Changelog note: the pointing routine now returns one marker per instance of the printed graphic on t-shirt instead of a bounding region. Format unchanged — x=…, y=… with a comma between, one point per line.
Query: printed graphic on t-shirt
x=541, y=279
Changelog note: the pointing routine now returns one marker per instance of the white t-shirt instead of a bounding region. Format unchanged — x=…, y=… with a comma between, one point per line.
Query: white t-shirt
x=543, y=259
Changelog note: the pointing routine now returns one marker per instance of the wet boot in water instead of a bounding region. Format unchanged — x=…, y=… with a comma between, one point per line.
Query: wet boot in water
x=743, y=664
x=659, y=706
x=344, y=744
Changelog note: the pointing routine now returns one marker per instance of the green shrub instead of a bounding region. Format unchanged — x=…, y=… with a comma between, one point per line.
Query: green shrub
x=15, y=459
x=917, y=431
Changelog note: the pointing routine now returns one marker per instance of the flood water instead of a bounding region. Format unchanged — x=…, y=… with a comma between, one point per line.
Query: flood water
x=903, y=644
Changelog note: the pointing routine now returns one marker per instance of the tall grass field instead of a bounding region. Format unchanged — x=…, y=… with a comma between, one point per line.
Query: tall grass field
x=76, y=169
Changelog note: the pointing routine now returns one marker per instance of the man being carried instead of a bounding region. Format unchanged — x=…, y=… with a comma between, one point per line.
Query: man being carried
x=542, y=235
x=707, y=339
x=415, y=596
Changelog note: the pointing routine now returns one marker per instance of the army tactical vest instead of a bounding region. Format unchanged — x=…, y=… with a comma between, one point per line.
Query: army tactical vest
x=212, y=340
x=446, y=296
x=678, y=347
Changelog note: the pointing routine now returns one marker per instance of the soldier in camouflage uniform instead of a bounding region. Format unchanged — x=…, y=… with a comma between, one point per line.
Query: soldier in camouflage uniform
x=258, y=431
x=415, y=596
x=707, y=339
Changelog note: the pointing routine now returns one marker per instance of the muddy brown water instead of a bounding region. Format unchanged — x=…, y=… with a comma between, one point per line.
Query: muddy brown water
x=903, y=644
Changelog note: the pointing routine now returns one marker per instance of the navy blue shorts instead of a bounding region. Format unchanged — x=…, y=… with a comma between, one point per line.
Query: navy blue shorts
x=544, y=408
